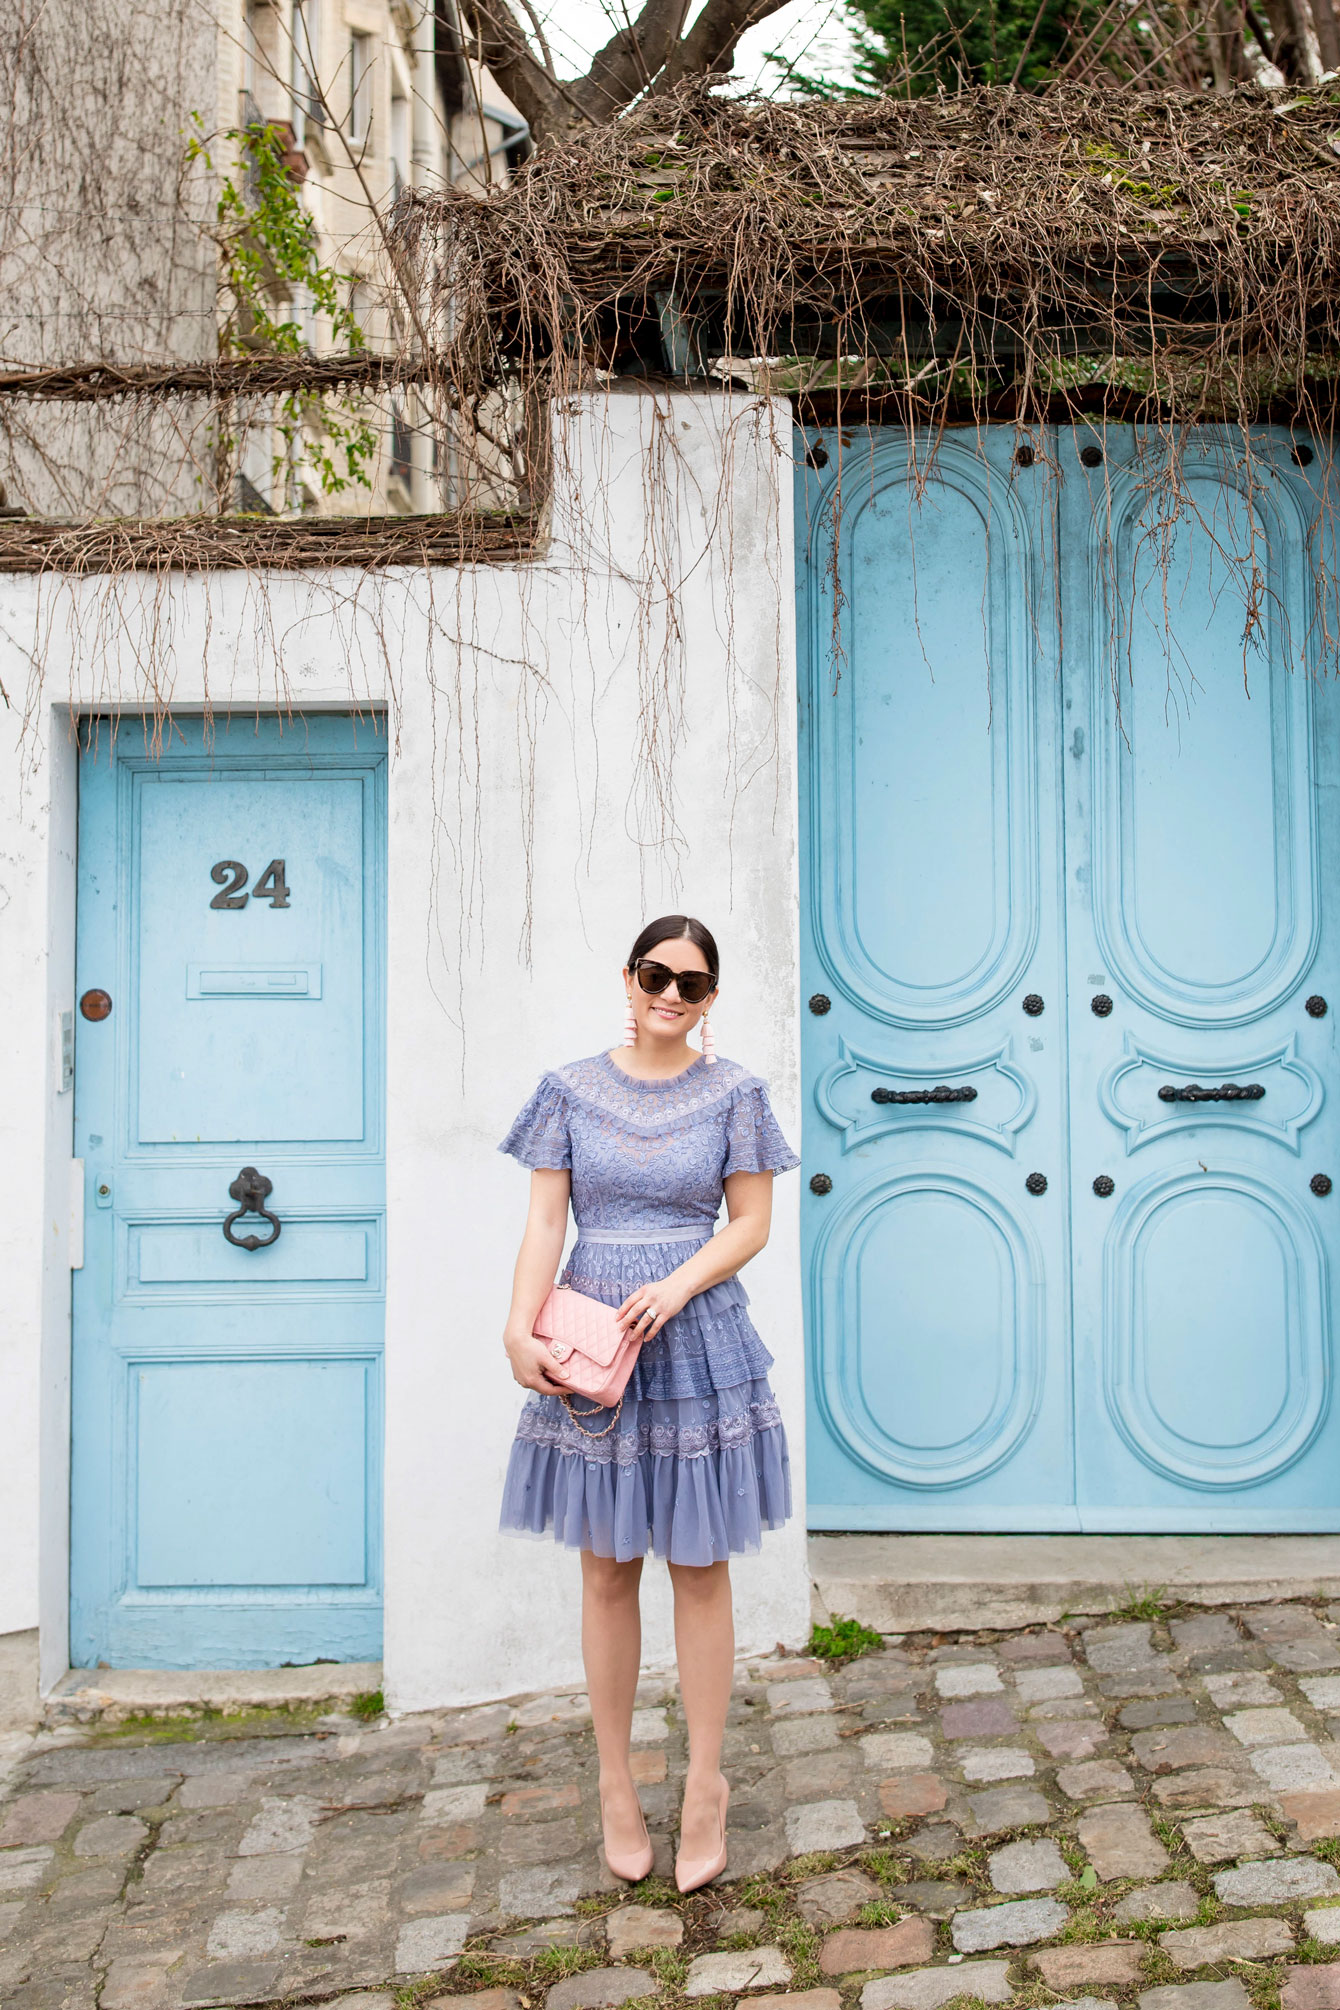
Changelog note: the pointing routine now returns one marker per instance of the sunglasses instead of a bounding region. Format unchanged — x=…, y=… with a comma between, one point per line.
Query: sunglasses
x=693, y=985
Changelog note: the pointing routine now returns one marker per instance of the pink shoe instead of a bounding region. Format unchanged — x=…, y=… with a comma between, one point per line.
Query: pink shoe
x=636, y=1864
x=691, y=1873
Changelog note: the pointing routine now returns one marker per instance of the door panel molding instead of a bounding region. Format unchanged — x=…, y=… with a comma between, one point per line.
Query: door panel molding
x=876, y=1121
x=1294, y=1094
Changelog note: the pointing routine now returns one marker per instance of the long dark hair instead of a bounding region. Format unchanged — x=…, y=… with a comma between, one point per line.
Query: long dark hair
x=675, y=928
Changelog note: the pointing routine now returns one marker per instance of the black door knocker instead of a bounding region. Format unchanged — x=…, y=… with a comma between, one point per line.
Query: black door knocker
x=251, y=1189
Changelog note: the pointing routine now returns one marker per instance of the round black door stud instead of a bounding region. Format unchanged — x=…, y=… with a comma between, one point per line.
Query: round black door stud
x=1092, y=457
x=1101, y=1006
x=1036, y=1183
x=1104, y=1187
x=96, y=1005
x=817, y=456
x=819, y=1004
x=1320, y=1184
x=820, y=1183
x=1034, y=1005
x=1024, y=457
x=1316, y=1006
x=1302, y=454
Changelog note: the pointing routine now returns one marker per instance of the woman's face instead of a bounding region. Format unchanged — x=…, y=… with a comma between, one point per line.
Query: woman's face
x=666, y=1016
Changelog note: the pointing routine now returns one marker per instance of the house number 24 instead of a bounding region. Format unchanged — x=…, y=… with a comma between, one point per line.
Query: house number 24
x=231, y=877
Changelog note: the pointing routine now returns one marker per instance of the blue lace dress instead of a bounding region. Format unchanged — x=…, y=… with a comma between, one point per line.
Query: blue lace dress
x=696, y=1467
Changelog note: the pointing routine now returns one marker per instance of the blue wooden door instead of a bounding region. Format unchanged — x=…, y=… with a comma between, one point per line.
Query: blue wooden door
x=998, y=832
x=226, y=1399
x=1203, y=851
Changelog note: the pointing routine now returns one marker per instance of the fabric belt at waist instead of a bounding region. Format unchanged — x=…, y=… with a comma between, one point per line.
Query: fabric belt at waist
x=697, y=1233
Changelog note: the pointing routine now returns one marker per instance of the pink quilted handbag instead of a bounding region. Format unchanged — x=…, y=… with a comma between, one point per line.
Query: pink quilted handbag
x=588, y=1351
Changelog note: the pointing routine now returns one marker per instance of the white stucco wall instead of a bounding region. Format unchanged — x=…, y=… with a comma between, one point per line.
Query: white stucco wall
x=577, y=744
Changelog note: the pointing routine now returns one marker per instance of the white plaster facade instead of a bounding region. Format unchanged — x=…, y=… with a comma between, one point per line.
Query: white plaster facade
x=681, y=614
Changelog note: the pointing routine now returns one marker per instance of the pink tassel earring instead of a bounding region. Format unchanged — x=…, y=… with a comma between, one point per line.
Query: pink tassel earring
x=630, y=1025
x=709, y=1042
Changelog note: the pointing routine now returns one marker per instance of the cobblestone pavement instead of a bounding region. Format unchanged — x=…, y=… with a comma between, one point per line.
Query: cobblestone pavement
x=1101, y=1812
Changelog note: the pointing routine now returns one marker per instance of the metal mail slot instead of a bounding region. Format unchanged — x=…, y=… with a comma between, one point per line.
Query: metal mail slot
x=253, y=980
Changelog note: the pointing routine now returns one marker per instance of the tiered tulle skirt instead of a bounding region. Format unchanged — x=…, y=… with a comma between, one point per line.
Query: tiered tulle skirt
x=695, y=1469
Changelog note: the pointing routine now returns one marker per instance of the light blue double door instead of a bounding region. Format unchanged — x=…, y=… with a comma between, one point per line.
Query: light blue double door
x=1072, y=855
x=228, y=1318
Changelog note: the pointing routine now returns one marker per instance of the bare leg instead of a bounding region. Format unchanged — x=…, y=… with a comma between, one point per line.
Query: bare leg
x=612, y=1651
x=705, y=1650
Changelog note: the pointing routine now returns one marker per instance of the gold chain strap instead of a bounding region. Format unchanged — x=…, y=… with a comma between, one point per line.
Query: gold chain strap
x=577, y=1415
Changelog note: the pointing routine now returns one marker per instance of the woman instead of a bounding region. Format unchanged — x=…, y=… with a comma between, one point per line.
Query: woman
x=694, y=1466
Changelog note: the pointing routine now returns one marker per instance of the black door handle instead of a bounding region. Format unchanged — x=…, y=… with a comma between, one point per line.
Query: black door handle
x=1227, y=1092
x=942, y=1093
x=251, y=1190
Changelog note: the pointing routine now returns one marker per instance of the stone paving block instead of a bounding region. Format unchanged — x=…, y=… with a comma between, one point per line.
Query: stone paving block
x=1099, y=1779
x=793, y=1669
x=1007, y=1808
x=436, y=1887
x=823, y=1825
x=984, y=1717
x=1042, y=1685
x=936, y=1896
x=24, y=1869
x=1120, y=1842
x=897, y=1752
x=794, y=1735
x=1293, y=1768
x=128, y=1797
x=852, y=1949
x=1317, y=1814
x=534, y=1894
x=799, y=1699
x=1228, y=1940
x=1153, y=1682
x=214, y=1790
x=382, y=1999
x=1208, y=1787
x=540, y=1938
x=1224, y=1838
x=929, y=1988
x=1167, y=1710
x=38, y=1818
x=1228, y=1995
x=425, y=1944
x=912, y=1794
x=602, y=1989
x=110, y=1835
x=633, y=1926
x=236, y=1936
x=1173, y=1900
x=353, y=1913
x=934, y=1844
x=548, y=1712
x=973, y=1678
x=752, y=1968
x=746, y=1921
x=540, y=1842
x=230, y=1982
x=1265, y=1727
x=981, y=1763
x=1249, y=1689
x=833, y=1900
x=650, y=1727
x=1168, y=1750
x=1111, y=1964
x=1301, y=1656
x=10, y=1914
x=1072, y=1739
x=1203, y=1632
x=1120, y=1650
x=282, y=1824
x=1315, y=1987
x=533, y=1801
x=455, y=1804
x=1034, y=1647
x=1280, y=1881
x=1322, y=1922
x=139, y=1983
x=1027, y=1866
x=820, y=1773
x=1322, y=1691
x=1019, y=1924
x=760, y=1850
x=1062, y=1709
x=1272, y=1623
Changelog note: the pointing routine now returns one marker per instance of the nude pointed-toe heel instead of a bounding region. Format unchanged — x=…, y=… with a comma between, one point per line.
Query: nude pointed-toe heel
x=690, y=1872
x=633, y=1865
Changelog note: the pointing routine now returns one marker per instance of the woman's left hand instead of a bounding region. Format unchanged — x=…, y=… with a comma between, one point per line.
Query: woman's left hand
x=644, y=1312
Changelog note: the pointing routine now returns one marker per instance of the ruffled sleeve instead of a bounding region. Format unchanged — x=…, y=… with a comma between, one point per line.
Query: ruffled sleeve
x=754, y=1142
x=539, y=1137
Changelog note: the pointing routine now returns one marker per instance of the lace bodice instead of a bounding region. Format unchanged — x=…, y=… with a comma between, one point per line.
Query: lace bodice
x=649, y=1154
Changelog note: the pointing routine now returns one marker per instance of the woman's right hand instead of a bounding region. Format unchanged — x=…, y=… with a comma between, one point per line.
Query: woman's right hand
x=528, y=1355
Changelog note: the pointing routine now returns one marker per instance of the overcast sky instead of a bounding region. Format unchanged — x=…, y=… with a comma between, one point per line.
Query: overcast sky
x=809, y=34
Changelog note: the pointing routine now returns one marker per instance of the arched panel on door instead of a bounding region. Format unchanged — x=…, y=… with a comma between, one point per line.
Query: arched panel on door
x=1206, y=896
x=1216, y=1349
x=924, y=882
